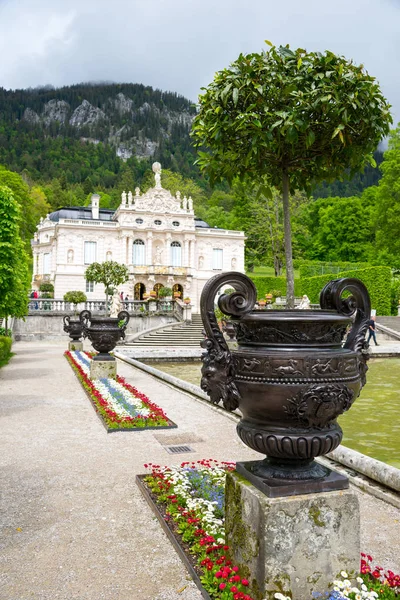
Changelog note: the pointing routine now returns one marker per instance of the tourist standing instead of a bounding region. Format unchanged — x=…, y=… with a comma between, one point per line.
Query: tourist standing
x=371, y=330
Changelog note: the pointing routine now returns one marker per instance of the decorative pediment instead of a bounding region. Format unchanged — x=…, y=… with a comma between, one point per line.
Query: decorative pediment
x=158, y=201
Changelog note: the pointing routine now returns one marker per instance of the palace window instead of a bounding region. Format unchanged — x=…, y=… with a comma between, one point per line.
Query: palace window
x=175, y=223
x=90, y=252
x=90, y=286
x=217, y=259
x=139, y=221
x=157, y=222
x=139, y=253
x=176, y=254
x=47, y=263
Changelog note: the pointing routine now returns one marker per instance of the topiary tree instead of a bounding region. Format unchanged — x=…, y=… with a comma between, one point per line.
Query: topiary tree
x=75, y=298
x=109, y=273
x=295, y=117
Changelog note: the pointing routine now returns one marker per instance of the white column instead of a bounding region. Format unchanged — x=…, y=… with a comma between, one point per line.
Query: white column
x=167, y=258
x=149, y=248
x=191, y=253
x=186, y=254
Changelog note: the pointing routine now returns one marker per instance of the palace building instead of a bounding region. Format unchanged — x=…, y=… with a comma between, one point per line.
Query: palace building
x=155, y=234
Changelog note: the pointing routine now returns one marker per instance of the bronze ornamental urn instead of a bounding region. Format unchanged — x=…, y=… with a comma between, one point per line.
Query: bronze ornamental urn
x=73, y=327
x=293, y=373
x=104, y=332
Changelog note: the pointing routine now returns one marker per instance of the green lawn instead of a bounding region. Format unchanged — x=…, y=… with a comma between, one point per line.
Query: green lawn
x=269, y=272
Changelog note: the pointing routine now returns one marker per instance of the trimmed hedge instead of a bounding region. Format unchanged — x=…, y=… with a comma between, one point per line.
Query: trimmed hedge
x=395, y=296
x=314, y=268
x=376, y=279
x=265, y=285
x=5, y=348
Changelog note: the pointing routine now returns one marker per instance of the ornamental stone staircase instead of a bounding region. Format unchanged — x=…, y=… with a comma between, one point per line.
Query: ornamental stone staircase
x=389, y=326
x=181, y=334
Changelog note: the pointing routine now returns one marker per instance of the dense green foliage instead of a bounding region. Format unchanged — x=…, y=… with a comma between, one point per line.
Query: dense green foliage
x=376, y=279
x=46, y=287
x=14, y=261
x=292, y=117
x=395, y=296
x=5, y=349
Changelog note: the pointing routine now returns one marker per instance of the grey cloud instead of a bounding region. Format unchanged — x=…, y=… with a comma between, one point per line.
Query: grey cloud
x=178, y=45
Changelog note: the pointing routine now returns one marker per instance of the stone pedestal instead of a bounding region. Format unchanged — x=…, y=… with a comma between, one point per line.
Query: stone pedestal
x=103, y=369
x=295, y=545
x=75, y=346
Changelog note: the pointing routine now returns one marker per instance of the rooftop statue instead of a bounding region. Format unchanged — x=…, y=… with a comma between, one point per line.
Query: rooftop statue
x=157, y=174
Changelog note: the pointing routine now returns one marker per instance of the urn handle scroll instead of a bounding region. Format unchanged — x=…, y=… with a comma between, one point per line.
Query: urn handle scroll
x=84, y=317
x=123, y=320
x=217, y=371
x=357, y=304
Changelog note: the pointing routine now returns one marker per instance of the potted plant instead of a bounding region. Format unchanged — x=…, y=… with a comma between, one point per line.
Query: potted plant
x=186, y=300
x=177, y=294
x=153, y=294
x=105, y=332
x=262, y=302
x=165, y=293
x=269, y=297
x=74, y=327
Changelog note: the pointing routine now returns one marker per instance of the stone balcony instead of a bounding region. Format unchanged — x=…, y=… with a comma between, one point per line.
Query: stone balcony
x=161, y=270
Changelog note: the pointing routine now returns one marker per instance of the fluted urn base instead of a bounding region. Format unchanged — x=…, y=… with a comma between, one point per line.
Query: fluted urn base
x=289, y=468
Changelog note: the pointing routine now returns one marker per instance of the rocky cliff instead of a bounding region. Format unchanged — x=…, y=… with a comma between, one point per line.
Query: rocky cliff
x=135, y=120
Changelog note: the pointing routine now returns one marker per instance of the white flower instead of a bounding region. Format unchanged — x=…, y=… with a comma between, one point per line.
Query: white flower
x=280, y=596
x=359, y=580
x=344, y=574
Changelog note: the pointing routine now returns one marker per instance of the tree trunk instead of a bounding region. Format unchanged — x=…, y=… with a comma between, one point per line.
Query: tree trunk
x=288, y=242
x=6, y=324
x=106, y=301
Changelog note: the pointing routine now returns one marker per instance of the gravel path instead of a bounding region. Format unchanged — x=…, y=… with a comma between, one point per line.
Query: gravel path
x=74, y=525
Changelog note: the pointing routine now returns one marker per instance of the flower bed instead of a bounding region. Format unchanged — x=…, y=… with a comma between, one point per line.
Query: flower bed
x=120, y=406
x=191, y=500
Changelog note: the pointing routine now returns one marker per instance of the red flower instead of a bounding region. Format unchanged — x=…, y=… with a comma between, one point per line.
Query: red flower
x=222, y=586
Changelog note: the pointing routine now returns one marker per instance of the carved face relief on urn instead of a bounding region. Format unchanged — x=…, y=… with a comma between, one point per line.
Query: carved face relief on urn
x=291, y=376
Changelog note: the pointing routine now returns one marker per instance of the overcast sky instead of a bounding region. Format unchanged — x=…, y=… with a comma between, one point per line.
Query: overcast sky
x=177, y=45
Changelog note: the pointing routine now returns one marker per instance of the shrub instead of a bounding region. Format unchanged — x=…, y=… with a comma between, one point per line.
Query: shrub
x=164, y=292
x=5, y=348
x=46, y=287
x=75, y=297
x=376, y=279
x=4, y=333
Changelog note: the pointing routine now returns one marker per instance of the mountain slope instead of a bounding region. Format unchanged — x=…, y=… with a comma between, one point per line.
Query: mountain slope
x=126, y=120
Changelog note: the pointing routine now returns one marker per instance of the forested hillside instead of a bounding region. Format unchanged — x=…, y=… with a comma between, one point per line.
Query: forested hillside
x=83, y=131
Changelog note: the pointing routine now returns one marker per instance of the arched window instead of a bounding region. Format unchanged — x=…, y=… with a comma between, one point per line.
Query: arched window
x=139, y=253
x=176, y=254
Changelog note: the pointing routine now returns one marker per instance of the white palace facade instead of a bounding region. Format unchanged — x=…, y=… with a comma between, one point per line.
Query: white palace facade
x=155, y=234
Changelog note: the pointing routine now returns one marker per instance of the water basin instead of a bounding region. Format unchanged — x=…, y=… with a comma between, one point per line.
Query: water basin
x=372, y=426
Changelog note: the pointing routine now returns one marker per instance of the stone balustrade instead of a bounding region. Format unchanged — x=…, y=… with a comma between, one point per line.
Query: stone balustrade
x=134, y=307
